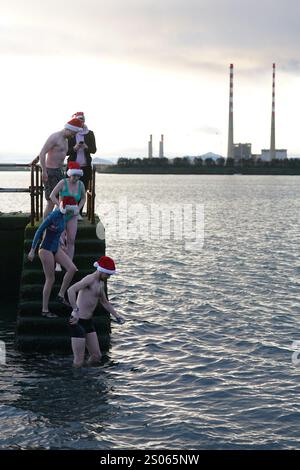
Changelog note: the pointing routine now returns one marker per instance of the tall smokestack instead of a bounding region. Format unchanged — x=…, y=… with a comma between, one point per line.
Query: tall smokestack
x=230, y=121
x=150, y=149
x=272, y=144
x=161, y=147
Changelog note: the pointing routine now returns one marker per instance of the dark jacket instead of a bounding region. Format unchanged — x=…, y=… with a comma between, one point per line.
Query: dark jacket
x=89, y=140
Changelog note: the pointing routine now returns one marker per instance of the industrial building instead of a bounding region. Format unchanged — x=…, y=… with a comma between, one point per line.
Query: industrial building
x=161, y=147
x=241, y=151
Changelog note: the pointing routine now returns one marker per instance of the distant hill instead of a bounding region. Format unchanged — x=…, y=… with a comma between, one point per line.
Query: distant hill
x=102, y=161
x=213, y=156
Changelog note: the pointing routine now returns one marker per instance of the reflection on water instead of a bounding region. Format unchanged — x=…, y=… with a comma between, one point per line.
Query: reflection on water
x=204, y=360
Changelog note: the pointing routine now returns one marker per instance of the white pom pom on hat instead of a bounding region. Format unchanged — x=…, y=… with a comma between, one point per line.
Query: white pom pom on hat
x=74, y=125
x=106, y=265
x=68, y=203
x=74, y=169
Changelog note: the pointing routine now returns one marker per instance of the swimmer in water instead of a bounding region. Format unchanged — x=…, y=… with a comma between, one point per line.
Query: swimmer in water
x=84, y=297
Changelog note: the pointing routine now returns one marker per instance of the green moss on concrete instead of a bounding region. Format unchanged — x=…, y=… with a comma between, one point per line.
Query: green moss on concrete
x=11, y=238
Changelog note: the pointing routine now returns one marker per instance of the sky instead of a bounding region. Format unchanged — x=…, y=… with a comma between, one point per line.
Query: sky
x=141, y=67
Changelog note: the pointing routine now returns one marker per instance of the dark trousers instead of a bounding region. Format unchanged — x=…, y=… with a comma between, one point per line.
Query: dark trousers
x=86, y=178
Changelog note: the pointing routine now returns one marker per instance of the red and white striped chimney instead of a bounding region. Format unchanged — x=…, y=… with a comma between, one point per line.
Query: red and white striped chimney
x=161, y=147
x=230, y=119
x=150, y=148
x=272, y=144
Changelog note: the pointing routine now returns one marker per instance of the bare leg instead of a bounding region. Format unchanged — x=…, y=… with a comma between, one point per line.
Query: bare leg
x=62, y=258
x=71, y=230
x=93, y=347
x=78, y=348
x=47, y=259
x=48, y=208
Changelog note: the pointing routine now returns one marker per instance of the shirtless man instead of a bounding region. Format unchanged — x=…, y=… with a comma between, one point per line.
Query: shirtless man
x=56, y=147
x=90, y=290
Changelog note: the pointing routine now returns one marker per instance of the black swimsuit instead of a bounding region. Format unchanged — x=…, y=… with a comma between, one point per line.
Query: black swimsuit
x=82, y=328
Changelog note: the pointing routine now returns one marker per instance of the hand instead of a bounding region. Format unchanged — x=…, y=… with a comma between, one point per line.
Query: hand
x=34, y=162
x=76, y=211
x=74, y=318
x=120, y=319
x=45, y=176
x=31, y=255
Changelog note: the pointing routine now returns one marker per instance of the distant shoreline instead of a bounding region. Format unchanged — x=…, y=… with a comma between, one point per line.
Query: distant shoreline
x=200, y=171
x=114, y=169
x=19, y=168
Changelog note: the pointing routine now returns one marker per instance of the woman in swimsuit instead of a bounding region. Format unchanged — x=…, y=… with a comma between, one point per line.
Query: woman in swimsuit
x=50, y=251
x=71, y=186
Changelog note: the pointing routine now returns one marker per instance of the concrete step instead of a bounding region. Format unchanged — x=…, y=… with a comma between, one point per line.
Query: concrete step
x=85, y=230
x=35, y=291
x=53, y=344
x=81, y=261
x=33, y=308
x=41, y=326
x=82, y=246
x=36, y=276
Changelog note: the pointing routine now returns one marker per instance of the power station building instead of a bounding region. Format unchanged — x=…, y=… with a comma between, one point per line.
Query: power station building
x=161, y=147
x=241, y=151
x=280, y=154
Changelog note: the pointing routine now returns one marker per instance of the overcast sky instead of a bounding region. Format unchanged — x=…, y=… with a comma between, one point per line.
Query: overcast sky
x=149, y=66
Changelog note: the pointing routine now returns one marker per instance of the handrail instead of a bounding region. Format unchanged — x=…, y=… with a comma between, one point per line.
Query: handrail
x=36, y=190
x=91, y=194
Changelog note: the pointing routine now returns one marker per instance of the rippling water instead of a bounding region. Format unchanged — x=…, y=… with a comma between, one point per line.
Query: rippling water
x=205, y=358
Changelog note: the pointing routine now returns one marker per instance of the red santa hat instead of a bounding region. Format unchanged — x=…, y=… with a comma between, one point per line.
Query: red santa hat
x=79, y=115
x=74, y=169
x=68, y=203
x=105, y=265
x=74, y=125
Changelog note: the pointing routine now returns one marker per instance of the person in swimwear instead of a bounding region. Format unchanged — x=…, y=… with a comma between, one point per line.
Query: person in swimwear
x=52, y=158
x=89, y=291
x=50, y=251
x=71, y=186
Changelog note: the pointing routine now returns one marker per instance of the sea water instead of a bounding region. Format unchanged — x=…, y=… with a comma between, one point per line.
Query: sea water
x=208, y=356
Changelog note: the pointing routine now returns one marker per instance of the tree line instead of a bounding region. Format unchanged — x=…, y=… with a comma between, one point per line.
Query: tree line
x=198, y=162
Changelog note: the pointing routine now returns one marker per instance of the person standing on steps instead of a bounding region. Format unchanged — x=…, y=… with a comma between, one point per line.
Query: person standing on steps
x=50, y=251
x=70, y=186
x=84, y=297
x=81, y=146
x=52, y=158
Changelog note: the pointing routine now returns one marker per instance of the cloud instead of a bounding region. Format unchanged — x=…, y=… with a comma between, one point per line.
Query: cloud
x=182, y=34
x=209, y=130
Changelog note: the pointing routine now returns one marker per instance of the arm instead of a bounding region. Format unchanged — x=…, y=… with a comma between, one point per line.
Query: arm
x=55, y=192
x=71, y=143
x=50, y=142
x=38, y=235
x=91, y=143
x=72, y=295
x=108, y=306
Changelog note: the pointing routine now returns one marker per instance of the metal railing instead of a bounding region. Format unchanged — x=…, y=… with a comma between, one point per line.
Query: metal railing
x=91, y=194
x=36, y=190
